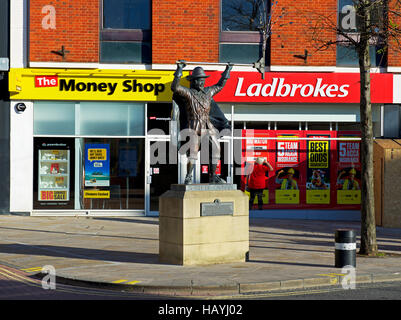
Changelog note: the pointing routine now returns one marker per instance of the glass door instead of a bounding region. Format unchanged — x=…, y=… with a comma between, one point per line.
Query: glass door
x=162, y=172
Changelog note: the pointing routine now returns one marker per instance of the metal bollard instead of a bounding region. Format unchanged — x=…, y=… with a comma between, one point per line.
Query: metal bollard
x=345, y=244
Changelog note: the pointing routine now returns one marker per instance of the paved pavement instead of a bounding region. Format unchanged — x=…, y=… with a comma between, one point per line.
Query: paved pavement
x=122, y=253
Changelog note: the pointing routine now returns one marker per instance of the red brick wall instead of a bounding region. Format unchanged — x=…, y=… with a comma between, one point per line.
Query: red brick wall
x=185, y=29
x=292, y=39
x=77, y=28
x=394, y=47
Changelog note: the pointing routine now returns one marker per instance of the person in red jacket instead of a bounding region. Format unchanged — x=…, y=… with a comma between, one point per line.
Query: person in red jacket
x=257, y=181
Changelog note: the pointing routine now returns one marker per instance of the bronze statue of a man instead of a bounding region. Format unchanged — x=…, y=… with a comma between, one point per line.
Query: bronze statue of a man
x=197, y=100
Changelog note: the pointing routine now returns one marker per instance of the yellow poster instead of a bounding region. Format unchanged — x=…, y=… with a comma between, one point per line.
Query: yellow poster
x=265, y=197
x=97, y=194
x=349, y=196
x=287, y=196
x=97, y=154
x=318, y=154
x=318, y=196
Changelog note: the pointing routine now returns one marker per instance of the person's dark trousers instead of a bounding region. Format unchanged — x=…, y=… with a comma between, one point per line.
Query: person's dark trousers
x=259, y=194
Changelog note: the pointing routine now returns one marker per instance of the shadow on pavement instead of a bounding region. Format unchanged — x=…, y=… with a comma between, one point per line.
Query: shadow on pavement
x=293, y=263
x=83, y=233
x=139, y=220
x=80, y=253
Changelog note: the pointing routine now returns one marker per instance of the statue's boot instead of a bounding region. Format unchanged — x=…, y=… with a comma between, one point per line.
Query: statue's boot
x=188, y=177
x=213, y=177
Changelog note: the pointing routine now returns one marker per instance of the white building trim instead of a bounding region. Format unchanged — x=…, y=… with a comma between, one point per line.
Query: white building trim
x=21, y=157
x=18, y=33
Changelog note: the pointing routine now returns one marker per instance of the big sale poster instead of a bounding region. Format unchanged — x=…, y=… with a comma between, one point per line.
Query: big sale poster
x=287, y=169
x=318, y=170
x=348, y=169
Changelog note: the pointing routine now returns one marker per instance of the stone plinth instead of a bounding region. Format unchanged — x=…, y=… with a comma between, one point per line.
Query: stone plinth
x=203, y=224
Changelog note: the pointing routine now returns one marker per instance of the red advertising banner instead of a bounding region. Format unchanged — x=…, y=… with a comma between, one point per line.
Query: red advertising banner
x=294, y=87
x=348, y=169
x=311, y=170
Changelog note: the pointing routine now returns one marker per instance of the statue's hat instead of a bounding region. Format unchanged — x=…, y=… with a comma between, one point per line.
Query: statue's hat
x=198, y=72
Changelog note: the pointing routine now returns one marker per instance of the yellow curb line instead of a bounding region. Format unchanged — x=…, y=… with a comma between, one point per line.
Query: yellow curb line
x=120, y=281
x=32, y=269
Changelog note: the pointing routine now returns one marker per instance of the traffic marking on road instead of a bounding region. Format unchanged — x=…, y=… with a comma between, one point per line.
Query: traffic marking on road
x=333, y=276
x=16, y=277
x=120, y=281
x=33, y=269
x=125, y=281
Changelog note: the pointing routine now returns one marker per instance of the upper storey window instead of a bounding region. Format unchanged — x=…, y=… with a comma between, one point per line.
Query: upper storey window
x=242, y=15
x=240, y=36
x=126, y=14
x=126, y=31
x=348, y=22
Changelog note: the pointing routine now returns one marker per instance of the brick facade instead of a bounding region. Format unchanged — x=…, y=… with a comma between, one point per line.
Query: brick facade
x=292, y=34
x=394, y=47
x=184, y=29
x=188, y=30
x=77, y=29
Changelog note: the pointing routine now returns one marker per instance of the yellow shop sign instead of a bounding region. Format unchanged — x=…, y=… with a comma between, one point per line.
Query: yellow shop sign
x=90, y=84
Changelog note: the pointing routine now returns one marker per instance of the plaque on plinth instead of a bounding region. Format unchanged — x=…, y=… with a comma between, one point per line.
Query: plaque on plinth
x=203, y=224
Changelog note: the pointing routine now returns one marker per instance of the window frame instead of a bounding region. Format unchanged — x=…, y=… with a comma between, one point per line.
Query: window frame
x=376, y=43
x=242, y=37
x=238, y=36
x=138, y=35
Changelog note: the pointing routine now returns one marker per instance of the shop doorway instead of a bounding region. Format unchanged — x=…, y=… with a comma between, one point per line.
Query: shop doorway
x=162, y=171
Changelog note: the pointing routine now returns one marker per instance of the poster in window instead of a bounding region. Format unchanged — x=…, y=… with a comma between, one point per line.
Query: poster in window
x=287, y=171
x=97, y=165
x=348, y=172
x=318, y=171
x=287, y=190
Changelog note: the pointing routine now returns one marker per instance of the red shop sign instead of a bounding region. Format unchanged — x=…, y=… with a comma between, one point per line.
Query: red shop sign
x=301, y=87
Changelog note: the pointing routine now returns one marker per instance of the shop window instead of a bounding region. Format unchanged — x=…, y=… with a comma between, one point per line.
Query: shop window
x=319, y=125
x=351, y=126
x=287, y=125
x=112, y=119
x=89, y=118
x=126, y=31
x=54, y=118
x=240, y=36
x=159, y=115
x=120, y=184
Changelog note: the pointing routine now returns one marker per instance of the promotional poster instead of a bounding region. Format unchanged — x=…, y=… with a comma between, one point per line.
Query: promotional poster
x=348, y=170
x=312, y=169
x=97, y=165
x=318, y=171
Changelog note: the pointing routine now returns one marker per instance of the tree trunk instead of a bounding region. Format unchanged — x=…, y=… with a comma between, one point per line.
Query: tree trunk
x=368, y=223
